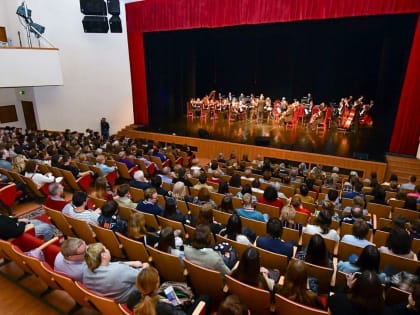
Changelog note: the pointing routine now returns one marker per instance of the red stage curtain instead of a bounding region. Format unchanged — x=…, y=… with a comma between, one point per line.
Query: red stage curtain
x=160, y=15
x=406, y=132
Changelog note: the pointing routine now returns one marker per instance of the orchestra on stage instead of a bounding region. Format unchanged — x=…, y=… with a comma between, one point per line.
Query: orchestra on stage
x=348, y=114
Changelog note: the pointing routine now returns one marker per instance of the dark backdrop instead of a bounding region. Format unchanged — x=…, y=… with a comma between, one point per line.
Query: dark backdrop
x=329, y=58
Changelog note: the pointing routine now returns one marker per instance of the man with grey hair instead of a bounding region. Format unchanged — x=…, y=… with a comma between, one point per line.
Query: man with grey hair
x=166, y=175
x=139, y=181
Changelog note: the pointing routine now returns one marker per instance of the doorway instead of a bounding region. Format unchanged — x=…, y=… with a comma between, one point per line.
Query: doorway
x=28, y=112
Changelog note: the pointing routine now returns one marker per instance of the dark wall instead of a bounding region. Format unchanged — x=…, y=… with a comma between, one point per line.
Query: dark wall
x=330, y=58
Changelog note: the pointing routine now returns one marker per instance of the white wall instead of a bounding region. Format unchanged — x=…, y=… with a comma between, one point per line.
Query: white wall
x=95, y=68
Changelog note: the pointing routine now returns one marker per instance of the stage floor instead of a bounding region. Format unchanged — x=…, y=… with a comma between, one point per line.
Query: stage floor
x=366, y=143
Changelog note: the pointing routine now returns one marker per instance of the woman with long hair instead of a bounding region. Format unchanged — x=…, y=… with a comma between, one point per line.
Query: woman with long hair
x=250, y=271
x=147, y=284
x=295, y=285
x=168, y=243
x=101, y=190
x=365, y=296
x=226, y=205
x=322, y=226
x=233, y=230
x=317, y=252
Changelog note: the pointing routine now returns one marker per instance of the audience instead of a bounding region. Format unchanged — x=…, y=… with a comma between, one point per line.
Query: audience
x=248, y=211
x=110, y=219
x=149, y=204
x=273, y=242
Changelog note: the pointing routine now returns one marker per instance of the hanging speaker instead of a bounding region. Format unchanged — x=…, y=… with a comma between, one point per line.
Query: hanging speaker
x=115, y=24
x=114, y=7
x=93, y=7
x=95, y=24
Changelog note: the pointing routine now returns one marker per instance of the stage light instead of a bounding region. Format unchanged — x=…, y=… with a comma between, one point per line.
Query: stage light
x=37, y=29
x=23, y=11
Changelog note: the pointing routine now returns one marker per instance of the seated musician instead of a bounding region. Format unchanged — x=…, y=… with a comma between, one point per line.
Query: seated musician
x=276, y=109
x=317, y=116
x=287, y=116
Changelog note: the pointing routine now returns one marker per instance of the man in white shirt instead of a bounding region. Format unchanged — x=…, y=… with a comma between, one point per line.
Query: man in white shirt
x=70, y=260
x=77, y=209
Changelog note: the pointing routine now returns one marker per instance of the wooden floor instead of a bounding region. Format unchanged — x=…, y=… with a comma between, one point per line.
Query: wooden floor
x=23, y=296
x=369, y=142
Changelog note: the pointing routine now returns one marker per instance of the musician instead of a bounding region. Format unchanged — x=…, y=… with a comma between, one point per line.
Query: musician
x=317, y=116
x=283, y=104
x=260, y=108
x=276, y=110
x=267, y=106
x=287, y=116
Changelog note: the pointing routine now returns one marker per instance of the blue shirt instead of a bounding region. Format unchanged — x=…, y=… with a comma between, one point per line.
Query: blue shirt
x=149, y=207
x=251, y=214
x=275, y=245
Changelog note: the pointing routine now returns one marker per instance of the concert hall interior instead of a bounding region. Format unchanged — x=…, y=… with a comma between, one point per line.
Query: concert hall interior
x=331, y=59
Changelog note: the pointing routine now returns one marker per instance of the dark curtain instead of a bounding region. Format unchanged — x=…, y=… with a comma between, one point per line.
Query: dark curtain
x=160, y=15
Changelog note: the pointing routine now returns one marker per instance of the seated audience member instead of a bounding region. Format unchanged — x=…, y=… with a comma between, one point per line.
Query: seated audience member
x=122, y=158
x=398, y=243
x=71, y=258
x=224, y=188
x=322, y=226
x=270, y=197
x=412, y=306
x=115, y=280
x=65, y=165
x=226, y=205
x=203, y=198
x=379, y=195
x=411, y=185
x=77, y=209
x=105, y=169
x=179, y=192
x=55, y=199
x=149, y=204
x=357, y=191
x=369, y=259
x=330, y=207
x=181, y=176
x=232, y=305
x=11, y=227
x=123, y=196
x=110, y=219
x=201, y=253
x=365, y=296
x=247, y=175
x=287, y=217
x=316, y=252
x=215, y=177
x=146, y=300
x=414, y=229
x=333, y=196
x=358, y=202
x=101, y=189
x=139, y=181
x=246, y=189
x=273, y=242
x=356, y=213
x=166, y=175
x=251, y=272
x=202, y=182
x=235, y=181
x=248, y=211
x=205, y=216
x=39, y=179
x=169, y=243
x=304, y=194
x=234, y=230
x=171, y=211
x=296, y=202
x=255, y=187
x=410, y=203
x=415, y=194
x=360, y=231
x=295, y=285
x=138, y=230
x=156, y=183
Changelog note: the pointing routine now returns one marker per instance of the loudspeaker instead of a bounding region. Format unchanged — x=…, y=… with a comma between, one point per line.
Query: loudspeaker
x=95, y=24
x=203, y=133
x=262, y=141
x=114, y=7
x=115, y=24
x=93, y=7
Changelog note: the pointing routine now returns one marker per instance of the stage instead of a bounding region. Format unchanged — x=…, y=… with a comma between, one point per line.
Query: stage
x=366, y=143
